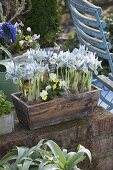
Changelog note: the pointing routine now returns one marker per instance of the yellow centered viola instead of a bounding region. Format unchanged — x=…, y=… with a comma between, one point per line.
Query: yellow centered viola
x=54, y=86
x=44, y=98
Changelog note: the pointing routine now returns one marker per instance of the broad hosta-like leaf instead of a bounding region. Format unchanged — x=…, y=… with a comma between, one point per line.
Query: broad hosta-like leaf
x=21, y=151
x=26, y=165
x=82, y=149
x=40, y=158
x=9, y=156
x=50, y=167
x=56, y=151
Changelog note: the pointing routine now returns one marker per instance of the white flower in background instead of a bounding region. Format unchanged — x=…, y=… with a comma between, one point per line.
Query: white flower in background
x=16, y=25
x=44, y=94
x=19, y=31
x=48, y=87
x=36, y=37
x=52, y=77
x=62, y=83
x=21, y=42
x=28, y=29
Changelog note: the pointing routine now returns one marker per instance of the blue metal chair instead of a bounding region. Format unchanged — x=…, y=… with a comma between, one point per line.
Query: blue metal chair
x=90, y=31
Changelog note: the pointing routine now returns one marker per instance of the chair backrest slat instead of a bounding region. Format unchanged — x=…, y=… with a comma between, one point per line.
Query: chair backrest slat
x=97, y=51
x=86, y=20
x=90, y=31
x=88, y=10
x=86, y=4
x=93, y=41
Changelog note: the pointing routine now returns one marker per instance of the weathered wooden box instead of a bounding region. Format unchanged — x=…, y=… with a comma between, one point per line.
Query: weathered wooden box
x=56, y=111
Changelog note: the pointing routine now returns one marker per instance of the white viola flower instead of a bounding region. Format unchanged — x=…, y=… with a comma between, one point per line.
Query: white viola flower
x=48, y=87
x=36, y=37
x=21, y=42
x=53, y=76
x=62, y=83
x=43, y=94
x=29, y=29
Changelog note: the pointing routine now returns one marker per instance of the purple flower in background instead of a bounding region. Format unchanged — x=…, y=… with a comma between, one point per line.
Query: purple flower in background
x=8, y=32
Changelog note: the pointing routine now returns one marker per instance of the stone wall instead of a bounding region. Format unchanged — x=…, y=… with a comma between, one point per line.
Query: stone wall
x=95, y=132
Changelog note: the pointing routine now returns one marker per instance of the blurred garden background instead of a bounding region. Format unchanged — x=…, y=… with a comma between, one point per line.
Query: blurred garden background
x=51, y=19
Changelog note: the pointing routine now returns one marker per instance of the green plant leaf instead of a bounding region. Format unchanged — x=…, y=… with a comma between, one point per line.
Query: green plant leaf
x=21, y=151
x=7, y=52
x=19, y=166
x=26, y=164
x=7, y=167
x=65, y=152
x=78, y=160
x=76, y=168
x=56, y=151
x=9, y=156
x=50, y=167
x=70, y=155
x=74, y=159
x=82, y=149
x=42, y=164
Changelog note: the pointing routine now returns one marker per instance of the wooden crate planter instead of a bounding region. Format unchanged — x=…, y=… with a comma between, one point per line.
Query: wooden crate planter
x=55, y=111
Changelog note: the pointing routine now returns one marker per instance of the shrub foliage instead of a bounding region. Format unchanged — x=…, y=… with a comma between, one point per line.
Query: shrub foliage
x=44, y=19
